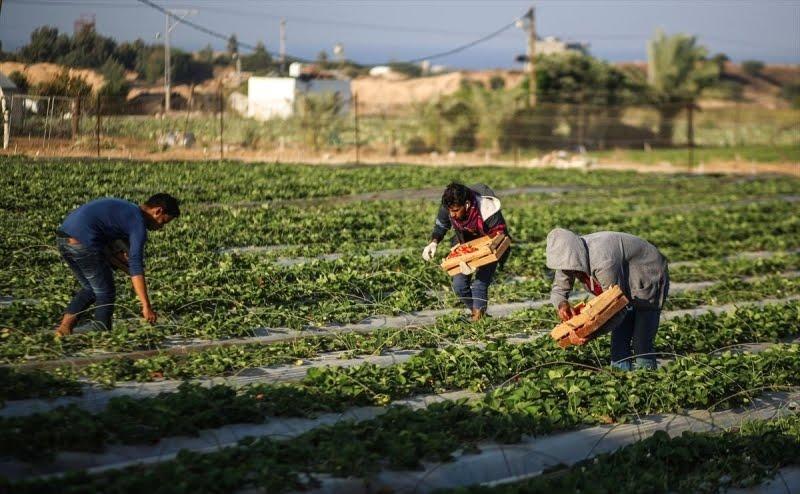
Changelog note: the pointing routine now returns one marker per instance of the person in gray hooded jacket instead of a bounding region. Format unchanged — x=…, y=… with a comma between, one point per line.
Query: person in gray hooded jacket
x=600, y=260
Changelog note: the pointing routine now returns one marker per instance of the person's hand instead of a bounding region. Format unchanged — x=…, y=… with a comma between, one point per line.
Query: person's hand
x=565, y=311
x=575, y=339
x=429, y=250
x=149, y=314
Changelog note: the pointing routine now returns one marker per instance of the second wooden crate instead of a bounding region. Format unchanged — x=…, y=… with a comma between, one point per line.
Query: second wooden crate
x=592, y=316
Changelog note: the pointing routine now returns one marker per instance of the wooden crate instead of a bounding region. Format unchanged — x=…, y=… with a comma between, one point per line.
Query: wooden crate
x=592, y=316
x=487, y=251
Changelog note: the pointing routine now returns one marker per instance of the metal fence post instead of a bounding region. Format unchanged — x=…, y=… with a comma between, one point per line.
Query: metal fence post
x=97, y=123
x=76, y=110
x=221, y=124
x=358, y=142
x=6, y=114
x=690, y=131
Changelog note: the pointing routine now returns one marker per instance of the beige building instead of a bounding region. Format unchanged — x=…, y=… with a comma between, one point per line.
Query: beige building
x=552, y=45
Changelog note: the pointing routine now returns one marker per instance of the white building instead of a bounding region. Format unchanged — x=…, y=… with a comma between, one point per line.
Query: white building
x=269, y=97
x=551, y=45
x=380, y=71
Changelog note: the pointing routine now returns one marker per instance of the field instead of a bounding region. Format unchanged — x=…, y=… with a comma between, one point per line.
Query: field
x=304, y=345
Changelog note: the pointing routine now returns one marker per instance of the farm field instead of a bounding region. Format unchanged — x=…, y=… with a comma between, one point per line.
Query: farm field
x=304, y=345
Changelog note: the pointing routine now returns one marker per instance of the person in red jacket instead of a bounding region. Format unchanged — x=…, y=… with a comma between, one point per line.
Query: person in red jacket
x=472, y=212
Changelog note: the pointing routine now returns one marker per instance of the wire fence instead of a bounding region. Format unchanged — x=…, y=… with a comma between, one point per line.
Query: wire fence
x=215, y=126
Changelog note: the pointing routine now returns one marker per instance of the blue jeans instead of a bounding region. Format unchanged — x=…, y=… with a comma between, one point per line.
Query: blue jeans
x=474, y=294
x=634, y=337
x=95, y=278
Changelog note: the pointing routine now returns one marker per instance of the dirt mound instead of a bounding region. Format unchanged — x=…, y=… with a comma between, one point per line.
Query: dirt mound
x=376, y=95
x=44, y=72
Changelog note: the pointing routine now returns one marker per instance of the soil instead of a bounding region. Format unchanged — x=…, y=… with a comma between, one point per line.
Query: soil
x=131, y=149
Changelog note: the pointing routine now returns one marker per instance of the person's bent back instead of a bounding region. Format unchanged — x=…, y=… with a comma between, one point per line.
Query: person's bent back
x=599, y=260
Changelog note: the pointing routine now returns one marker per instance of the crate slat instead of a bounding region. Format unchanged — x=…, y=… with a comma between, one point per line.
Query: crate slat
x=489, y=250
x=592, y=317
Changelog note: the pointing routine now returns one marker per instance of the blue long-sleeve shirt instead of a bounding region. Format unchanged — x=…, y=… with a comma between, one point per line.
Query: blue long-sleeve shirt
x=98, y=223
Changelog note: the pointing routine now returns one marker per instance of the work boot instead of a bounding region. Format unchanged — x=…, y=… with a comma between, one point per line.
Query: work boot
x=477, y=314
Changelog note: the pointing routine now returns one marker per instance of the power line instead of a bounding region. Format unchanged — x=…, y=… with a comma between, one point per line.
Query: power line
x=589, y=37
x=219, y=35
x=224, y=37
x=193, y=25
x=468, y=45
x=349, y=24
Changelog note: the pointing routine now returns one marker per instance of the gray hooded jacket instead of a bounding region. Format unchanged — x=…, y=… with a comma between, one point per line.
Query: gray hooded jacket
x=611, y=258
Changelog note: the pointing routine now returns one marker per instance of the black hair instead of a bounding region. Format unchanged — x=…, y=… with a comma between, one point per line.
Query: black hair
x=455, y=194
x=166, y=201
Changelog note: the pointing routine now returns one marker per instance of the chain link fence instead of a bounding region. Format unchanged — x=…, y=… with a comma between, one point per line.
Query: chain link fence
x=330, y=125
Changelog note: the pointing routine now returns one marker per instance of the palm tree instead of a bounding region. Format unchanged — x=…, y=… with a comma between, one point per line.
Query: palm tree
x=677, y=71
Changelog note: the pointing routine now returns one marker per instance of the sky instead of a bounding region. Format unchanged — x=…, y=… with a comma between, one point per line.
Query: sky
x=379, y=31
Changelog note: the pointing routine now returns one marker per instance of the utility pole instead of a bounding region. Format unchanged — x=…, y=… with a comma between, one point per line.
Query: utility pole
x=358, y=140
x=167, y=65
x=168, y=27
x=531, y=56
x=283, y=46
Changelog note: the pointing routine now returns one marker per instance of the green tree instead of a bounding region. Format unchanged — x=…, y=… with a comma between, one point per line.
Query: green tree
x=64, y=85
x=497, y=82
x=322, y=59
x=115, y=89
x=184, y=68
x=319, y=115
x=20, y=80
x=130, y=55
x=752, y=68
x=720, y=59
x=88, y=49
x=677, y=72
x=259, y=60
x=233, y=46
x=492, y=109
x=206, y=54
x=152, y=67
x=446, y=124
x=583, y=94
x=46, y=45
x=791, y=92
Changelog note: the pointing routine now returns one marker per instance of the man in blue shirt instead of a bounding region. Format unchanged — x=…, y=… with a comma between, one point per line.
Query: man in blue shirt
x=84, y=235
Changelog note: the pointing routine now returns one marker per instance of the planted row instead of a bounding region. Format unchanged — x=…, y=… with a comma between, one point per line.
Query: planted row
x=230, y=312
x=499, y=366
x=402, y=438
x=692, y=462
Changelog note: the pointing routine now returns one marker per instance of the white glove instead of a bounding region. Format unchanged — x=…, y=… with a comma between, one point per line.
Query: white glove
x=429, y=251
x=465, y=268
